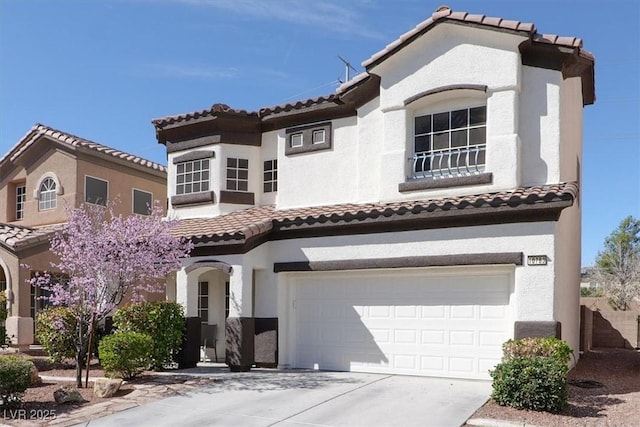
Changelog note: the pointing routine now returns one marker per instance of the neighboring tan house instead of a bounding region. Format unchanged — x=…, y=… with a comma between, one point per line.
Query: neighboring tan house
x=410, y=223
x=45, y=172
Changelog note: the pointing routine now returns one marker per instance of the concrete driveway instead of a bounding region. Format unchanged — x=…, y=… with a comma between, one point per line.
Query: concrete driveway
x=264, y=398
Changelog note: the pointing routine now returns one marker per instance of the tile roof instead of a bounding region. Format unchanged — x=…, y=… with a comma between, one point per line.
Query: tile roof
x=39, y=130
x=445, y=14
x=441, y=15
x=214, y=110
x=16, y=237
x=252, y=222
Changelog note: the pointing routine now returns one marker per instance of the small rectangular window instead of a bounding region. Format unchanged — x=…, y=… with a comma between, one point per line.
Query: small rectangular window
x=203, y=301
x=296, y=140
x=96, y=190
x=21, y=198
x=270, y=176
x=237, y=174
x=317, y=137
x=142, y=202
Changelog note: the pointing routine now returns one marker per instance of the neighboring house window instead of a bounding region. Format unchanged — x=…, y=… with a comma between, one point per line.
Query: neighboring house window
x=47, y=197
x=307, y=138
x=203, y=301
x=226, y=299
x=450, y=143
x=96, y=190
x=142, y=201
x=192, y=176
x=237, y=174
x=270, y=176
x=21, y=198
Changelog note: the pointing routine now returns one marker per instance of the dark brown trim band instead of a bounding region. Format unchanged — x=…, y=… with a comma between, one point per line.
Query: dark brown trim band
x=510, y=258
x=237, y=197
x=480, y=88
x=193, y=199
x=456, y=181
x=195, y=155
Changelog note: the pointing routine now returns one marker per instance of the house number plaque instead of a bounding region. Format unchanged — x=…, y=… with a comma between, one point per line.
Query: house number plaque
x=536, y=260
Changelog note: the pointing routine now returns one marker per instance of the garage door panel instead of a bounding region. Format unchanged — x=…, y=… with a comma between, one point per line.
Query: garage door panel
x=450, y=326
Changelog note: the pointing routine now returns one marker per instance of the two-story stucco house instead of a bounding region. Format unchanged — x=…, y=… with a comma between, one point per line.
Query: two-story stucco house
x=46, y=171
x=410, y=223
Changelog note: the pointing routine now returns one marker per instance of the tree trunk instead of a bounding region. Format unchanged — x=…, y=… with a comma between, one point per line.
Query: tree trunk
x=79, y=367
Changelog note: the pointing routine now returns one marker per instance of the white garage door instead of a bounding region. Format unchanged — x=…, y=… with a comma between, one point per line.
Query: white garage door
x=416, y=322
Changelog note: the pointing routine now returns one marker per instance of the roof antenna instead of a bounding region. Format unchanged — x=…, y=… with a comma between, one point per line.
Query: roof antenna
x=347, y=67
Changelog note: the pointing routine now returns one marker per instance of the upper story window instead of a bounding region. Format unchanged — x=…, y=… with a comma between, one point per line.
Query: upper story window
x=237, y=174
x=450, y=143
x=47, y=198
x=142, y=201
x=21, y=199
x=270, y=178
x=192, y=176
x=303, y=139
x=96, y=190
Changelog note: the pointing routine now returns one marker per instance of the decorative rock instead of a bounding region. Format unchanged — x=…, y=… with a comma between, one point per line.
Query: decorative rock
x=67, y=394
x=35, y=375
x=106, y=387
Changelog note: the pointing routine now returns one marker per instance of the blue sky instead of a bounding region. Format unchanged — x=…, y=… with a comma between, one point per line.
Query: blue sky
x=103, y=69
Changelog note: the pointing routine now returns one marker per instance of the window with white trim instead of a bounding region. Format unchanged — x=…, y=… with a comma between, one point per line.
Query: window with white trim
x=203, y=301
x=237, y=174
x=96, y=190
x=192, y=176
x=295, y=140
x=142, y=202
x=270, y=176
x=47, y=198
x=21, y=199
x=317, y=136
x=450, y=143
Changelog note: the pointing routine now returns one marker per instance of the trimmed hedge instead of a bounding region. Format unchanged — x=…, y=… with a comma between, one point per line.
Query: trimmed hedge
x=533, y=374
x=543, y=347
x=538, y=383
x=125, y=353
x=15, y=378
x=162, y=321
x=56, y=330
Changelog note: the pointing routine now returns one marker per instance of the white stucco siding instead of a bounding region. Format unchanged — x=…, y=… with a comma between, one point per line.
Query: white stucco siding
x=447, y=55
x=540, y=125
x=268, y=151
x=370, y=152
x=321, y=177
x=571, y=126
x=567, y=273
x=193, y=211
x=534, y=292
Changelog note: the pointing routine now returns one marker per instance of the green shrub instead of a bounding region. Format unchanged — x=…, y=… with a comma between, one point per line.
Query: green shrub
x=3, y=307
x=15, y=378
x=162, y=321
x=56, y=331
x=591, y=292
x=125, y=353
x=538, y=383
x=543, y=347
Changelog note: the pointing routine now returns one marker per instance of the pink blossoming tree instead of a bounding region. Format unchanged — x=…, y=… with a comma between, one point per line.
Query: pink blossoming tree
x=108, y=257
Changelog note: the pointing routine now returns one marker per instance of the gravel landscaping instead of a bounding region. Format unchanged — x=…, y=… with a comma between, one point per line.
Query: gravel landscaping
x=615, y=403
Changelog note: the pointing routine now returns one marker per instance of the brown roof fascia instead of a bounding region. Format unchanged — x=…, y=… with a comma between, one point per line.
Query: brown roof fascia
x=571, y=61
x=362, y=91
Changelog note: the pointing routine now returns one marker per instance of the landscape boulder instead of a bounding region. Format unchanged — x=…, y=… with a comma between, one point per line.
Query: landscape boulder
x=106, y=387
x=67, y=394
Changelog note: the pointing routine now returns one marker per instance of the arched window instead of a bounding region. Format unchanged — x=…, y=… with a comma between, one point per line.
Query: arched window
x=47, y=198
